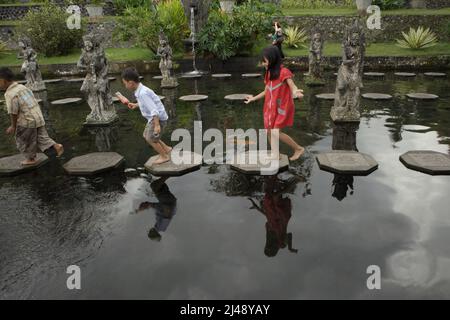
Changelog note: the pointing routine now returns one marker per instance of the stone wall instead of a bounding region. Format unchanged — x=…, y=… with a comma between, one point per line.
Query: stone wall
x=17, y=12
x=391, y=26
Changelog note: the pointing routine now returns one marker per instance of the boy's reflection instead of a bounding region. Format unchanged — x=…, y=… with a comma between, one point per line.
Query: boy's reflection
x=165, y=208
x=277, y=210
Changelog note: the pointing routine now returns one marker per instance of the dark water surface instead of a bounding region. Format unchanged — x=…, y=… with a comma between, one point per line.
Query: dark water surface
x=214, y=245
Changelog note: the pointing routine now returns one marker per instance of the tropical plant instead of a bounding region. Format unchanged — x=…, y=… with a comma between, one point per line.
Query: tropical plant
x=122, y=5
x=418, y=39
x=294, y=37
x=3, y=47
x=316, y=4
x=48, y=32
x=227, y=35
x=143, y=24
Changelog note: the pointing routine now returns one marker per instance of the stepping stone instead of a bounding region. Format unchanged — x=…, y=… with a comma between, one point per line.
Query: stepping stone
x=141, y=77
x=236, y=97
x=429, y=162
x=221, y=75
x=171, y=169
x=115, y=99
x=157, y=77
x=336, y=74
x=191, y=76
x=66, y=101
x=422, y=96
x=112, y=78
x=405, y=74
x=251, y=75
x=75, y=80
x=435, y=74
x=377, y=96
x=347, y=162
x=193, y=98
x=93, y=163
x=374, y=74
x=52, y=80
x=22, y=81
x=10, y=166
x=162, y=98
x=326, y=96
x=257, y=163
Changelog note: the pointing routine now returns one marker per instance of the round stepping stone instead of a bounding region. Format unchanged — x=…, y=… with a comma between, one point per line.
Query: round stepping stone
x=22, y=81
x=236, y=97
x=251, y=75
x=66, y=101
x=326, y=96
x=221, y=75
x=374, y=74
x=112, y=78
x=178, y=165
x=435, y=74
x=405, y=74
x=141, y=77
x=256, y=162
x=162, y=98
x=429, y=162
x=191, y=76
x=75, y=80
x=347, y=162
x=336, y=74
x=52, y=80
x=115, y=99
x=193, y=98
x=422, y=96
x=10, y=166
x=93, y=163
x=157, y=77
x=377, y=96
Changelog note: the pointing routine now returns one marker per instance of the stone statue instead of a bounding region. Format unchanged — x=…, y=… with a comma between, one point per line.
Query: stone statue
x=349, y=80
x=30, y=66
x=315, y=58
x=96, y=84
x=165, y=65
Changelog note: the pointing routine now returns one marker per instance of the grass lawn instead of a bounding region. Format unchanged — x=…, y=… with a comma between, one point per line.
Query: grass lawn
x=352, y=11
x=376, y=49
x=113, y=54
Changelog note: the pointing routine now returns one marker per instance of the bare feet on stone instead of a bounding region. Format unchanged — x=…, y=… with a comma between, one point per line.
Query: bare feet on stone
x=59, y=149
x=161, y=159
x=297, y=154
x=29, y=162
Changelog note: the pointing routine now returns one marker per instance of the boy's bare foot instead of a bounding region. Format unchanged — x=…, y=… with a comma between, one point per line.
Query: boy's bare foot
x=297, y=154
x=59, y=149
x=28, y=162
x=161, y=159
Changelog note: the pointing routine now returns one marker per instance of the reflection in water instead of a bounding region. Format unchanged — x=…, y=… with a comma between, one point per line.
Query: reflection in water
x=165, y=208
x=170, y=102
x=277, y=208
x=105, y=137
x=344, y=138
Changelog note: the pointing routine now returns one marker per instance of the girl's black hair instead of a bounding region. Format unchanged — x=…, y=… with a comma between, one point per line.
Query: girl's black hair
x=272, y=54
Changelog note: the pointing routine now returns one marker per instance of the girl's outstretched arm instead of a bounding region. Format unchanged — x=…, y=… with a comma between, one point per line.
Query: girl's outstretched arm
x=296, y=92
x=249, y=99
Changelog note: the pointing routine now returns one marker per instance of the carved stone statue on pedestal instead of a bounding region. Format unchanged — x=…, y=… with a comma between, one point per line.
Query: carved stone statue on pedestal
x=30, y=66
x=165, y=65
x=349, y=80
x=96, y=84
x=315, y=59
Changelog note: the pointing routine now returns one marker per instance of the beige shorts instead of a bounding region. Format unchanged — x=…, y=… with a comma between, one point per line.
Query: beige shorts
x=149, y=132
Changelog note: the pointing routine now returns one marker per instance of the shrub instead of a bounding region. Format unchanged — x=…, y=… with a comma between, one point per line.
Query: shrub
x=316, y=4
x=389, y=4
x=295, y=37
x=417, y=39
x=122, y=5
x=143, y=24
x=229, y=35
x=3, y=48
x=48, y=32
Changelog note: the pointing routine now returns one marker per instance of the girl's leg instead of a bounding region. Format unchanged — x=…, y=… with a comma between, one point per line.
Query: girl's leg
x=298, y=150
x=273, y=136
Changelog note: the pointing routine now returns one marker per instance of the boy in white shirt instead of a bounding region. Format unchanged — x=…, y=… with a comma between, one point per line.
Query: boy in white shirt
x=152, y=109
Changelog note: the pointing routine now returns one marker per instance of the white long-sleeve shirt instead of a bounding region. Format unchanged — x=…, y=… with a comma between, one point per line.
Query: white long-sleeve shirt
x=150, y=104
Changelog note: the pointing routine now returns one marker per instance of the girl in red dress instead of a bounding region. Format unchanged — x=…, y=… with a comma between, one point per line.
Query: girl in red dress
x=279, y=100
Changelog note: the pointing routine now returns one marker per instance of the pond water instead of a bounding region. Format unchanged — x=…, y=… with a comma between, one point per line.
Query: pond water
x=216, y=243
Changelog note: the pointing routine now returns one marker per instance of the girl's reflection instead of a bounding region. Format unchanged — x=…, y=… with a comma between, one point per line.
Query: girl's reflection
x=165, y=208
x=277, y=209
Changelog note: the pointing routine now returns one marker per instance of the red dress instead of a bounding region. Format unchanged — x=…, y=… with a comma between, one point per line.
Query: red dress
x=279, y=104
